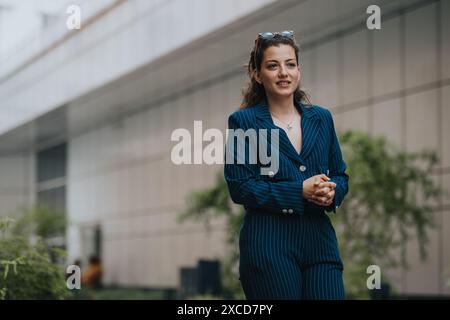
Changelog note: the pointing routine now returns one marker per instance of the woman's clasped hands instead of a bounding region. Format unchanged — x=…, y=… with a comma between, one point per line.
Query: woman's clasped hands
x=319, y=189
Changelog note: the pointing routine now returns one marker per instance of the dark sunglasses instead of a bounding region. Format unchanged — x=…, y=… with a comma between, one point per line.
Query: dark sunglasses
x=271, y=35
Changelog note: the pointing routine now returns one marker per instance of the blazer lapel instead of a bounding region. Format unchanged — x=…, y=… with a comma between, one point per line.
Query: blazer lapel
x=309, y=124
x=310, y=127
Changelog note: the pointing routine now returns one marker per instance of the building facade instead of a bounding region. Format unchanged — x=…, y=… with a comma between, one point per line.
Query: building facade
x=86, y=116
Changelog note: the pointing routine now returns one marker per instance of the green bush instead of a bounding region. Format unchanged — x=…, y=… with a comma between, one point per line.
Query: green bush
x=26, y=270
x=40, y=221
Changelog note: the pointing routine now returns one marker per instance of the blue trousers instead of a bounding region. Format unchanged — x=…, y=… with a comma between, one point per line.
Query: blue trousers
x=289, y=257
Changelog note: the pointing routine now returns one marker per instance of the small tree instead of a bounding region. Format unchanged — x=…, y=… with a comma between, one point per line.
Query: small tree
x=27, y=270
x=390, y=201
x=39, y=220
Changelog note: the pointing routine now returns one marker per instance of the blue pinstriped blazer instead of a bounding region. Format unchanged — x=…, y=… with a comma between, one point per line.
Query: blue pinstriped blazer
x=282, y=193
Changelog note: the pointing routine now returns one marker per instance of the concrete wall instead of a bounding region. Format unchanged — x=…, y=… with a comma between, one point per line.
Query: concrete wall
x=122, y=37
x=16, y=183
x=122, y=178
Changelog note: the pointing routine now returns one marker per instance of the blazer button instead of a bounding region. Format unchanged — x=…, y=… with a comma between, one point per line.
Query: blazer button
x=271, y=174
x=291, y=211
x=285, y=211
x=302, y=168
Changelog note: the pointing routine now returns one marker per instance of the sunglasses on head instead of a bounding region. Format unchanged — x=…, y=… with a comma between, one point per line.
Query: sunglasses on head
x=271, y=35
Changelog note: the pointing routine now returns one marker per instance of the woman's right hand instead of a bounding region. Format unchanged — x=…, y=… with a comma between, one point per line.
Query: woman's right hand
x=311, y=186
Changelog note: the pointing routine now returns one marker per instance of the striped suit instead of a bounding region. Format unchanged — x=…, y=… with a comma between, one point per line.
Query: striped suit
x=288, y=246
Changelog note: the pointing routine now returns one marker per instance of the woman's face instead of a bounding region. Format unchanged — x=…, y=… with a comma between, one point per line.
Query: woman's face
x=279, y=74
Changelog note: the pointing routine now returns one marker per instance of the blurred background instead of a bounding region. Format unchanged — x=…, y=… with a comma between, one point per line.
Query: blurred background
x=86, y=117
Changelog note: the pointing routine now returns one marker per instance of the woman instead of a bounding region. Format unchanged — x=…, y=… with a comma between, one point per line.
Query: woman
x=288, y=246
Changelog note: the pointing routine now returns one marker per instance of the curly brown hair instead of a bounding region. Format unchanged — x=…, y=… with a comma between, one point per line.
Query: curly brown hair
x=255, y=92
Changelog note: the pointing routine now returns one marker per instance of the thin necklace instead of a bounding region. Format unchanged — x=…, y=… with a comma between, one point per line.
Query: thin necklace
x=288, y=125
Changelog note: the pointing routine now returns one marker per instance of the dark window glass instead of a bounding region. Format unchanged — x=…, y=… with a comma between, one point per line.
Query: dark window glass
x=51, y=163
